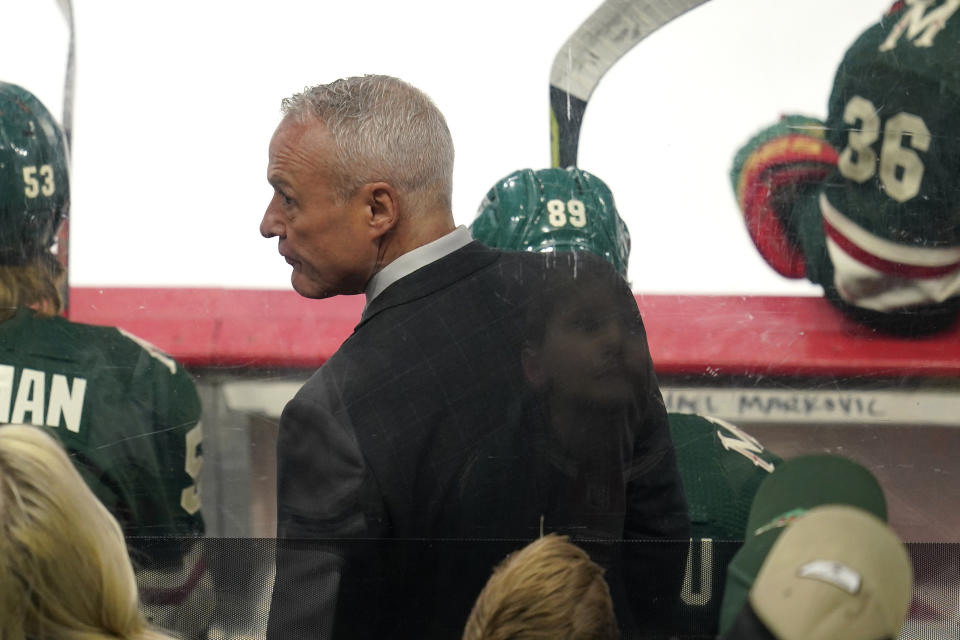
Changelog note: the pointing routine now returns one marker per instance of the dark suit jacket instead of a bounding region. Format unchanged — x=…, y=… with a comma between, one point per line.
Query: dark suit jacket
x=379, y=535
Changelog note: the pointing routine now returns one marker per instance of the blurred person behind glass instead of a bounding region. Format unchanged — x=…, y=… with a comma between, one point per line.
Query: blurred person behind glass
x=584, y=347
x=595, y=461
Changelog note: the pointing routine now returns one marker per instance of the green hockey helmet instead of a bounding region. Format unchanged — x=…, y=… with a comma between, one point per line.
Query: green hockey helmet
x=553, y=210
x=34, y=176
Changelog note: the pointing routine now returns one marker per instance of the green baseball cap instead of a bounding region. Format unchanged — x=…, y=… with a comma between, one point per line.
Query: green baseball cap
x=785, y=496
x=837, y=573
x=553, y=210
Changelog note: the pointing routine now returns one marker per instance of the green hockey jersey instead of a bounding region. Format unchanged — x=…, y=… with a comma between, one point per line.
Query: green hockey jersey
x=883, y=231
x=721, y=466
x=127, y=414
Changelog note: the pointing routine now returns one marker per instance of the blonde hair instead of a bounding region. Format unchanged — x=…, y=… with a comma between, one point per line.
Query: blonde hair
x=31, y=285
x=64, y=569
x=549, y=590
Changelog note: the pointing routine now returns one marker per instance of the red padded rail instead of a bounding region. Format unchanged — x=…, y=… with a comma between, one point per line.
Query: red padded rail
x=700, y=335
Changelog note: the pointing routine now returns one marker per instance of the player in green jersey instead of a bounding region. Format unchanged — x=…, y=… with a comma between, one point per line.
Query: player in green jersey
x=864, y=204
x=128, y=414
x=720, y=465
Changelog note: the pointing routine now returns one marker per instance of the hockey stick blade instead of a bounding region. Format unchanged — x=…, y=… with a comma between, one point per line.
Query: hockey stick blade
x=610, y=32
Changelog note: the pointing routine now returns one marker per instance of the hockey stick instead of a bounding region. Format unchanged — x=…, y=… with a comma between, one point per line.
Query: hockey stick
x=66, y=8
x=63, y=235
x=610, y=32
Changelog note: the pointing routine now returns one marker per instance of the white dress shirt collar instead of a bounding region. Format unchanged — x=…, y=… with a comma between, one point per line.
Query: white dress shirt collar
x=413, y=260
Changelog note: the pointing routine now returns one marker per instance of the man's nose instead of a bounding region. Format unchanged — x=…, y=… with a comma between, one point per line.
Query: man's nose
x=270, y=225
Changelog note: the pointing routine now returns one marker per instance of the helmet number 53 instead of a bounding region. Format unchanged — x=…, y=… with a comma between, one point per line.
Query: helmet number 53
x=32, y=186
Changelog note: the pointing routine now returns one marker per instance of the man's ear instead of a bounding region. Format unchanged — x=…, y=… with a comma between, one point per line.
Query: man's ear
x=384, y=207
x=533, y=367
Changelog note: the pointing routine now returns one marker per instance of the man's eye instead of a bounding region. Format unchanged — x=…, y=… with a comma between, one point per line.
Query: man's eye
x=287, y=200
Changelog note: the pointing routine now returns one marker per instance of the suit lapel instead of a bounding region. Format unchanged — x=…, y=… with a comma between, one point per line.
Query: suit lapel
x=441, y=273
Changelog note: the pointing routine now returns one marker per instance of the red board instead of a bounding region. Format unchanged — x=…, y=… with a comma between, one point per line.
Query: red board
x=700, y=335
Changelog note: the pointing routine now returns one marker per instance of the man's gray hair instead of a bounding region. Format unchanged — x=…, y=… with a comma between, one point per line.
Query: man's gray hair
x=385, y=130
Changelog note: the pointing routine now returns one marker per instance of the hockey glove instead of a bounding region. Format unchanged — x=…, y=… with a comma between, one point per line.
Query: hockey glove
x=770, y=173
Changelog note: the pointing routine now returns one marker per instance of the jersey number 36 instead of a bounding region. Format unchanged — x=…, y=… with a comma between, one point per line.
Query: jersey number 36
x=901, y=169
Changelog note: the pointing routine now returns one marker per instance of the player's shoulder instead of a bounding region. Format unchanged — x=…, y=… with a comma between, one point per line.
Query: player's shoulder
x=97, y=345
x=686, y=428
x=719, y=443
x=128, y=346
x=721, y=466
x=56, y=336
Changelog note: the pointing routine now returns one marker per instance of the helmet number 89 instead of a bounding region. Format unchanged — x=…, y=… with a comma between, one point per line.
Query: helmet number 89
x=559, y=213
x=33, y=187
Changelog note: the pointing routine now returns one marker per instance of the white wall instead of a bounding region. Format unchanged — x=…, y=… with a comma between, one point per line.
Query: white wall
x=176, y=102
